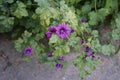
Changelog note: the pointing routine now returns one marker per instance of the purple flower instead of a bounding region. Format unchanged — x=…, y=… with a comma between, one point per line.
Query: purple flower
x=87, y=48
x=90, y=53
x=62, y=58
x=48, y=34
x=52, y=29
x=58, y=65
x=63, y=31
x=72, y=31
x=28, y=51
x=83, y=20
x=82, y=41
x=50, y=54
x=93, y=57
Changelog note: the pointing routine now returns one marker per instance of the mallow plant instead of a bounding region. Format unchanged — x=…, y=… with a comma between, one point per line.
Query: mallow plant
x=49, y=29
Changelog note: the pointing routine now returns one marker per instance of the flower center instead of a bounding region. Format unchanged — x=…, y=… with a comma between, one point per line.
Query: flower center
x=62, y=31
x=28, y=51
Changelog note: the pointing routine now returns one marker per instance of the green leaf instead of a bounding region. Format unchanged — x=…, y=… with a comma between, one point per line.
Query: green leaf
x=43, y=3
x=66, y=48
x=86, y=8
x=99, y=16
x=91, y=64
x=95, y=45
x=51, y=64
x=46, y=14
x=6, y=23
x=21, y=10
x=93, y=18
x=73, y=41
x=71, y=2
x=18, y=45
x=85, y=65
x=117, y=21
x=95, y=33
x=28, y=59
x=108, y=49
x=102, y=13
x=58, y=52
x=116, y=34
x=33, y=44
x=83, y=74
x=68, y=15
x=26, y=36
x=108, y=3
x=53, y=39
x=114, y=6
x=42, y=58
x=79, y=61
x=116, y=31
x=39, y=36
x=9, y=1
x=85, y=27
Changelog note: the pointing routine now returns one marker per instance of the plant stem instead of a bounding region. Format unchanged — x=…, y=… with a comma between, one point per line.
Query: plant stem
x=118, y=49
x=95, y=6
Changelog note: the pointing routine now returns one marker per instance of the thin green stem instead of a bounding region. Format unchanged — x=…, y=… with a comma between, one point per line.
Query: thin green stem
x=95, y=5
x=118, y=49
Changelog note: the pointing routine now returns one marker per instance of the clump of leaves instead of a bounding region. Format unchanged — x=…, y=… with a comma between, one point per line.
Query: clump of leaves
x=37, y=16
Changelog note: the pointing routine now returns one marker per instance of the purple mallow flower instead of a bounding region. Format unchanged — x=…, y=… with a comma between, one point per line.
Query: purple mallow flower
x=63, y=31
x=87, y=48
x=83, y=20
x=82, y=41
x=48, y=34
x=58, y=65
x=51, y=30
x=28, y=51
x=62, y=58
x=50, y=54
x=93, y=57
x=72, y=31
x=88, y=54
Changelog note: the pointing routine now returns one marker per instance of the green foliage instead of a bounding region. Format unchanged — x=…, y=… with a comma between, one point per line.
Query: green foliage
x=66, y=12
x=86, y=8
x=72, y=2
x=95, y=45
x=85, y=65
x=43, y=3
x=9, y=1
x=26, y=41
x=20, y=10
x=116, y=31
x=112, y=6
x=99, y=16
x=6, y=23
x=108, y=49
x=54, y=39
x=46, y=14
x=18, y=45
x=31, y=19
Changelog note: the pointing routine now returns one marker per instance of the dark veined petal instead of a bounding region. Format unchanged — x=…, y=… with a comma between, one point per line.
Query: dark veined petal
x=28, y=51
x=48, y=34
x=62, y=58
x=83, y=20
x=63, y=31
x=58, y=65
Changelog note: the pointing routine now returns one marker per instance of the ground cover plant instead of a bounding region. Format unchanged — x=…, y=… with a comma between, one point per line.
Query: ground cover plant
x=50, y=28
